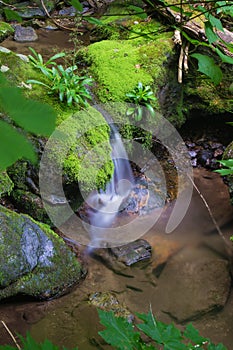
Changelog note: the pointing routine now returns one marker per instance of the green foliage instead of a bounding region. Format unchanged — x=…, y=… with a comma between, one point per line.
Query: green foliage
x=123, y=335
x=62, y=82
x=209, y=17
x=12, y=15
x=227, y=164
x=77, y=5
x=31, y=116
x=141, y=96
x=30, y=344
x=207, y=66
x=38, y=62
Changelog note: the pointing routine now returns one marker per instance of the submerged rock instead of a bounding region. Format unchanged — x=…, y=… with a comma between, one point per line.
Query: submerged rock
x=199, y=282
x=108, y=301
x=119, y=259
x=34, y=261
x=132, y=252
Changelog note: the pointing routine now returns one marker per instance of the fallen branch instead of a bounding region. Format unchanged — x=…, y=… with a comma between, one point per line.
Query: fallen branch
x=11, y=335
x=54, y=21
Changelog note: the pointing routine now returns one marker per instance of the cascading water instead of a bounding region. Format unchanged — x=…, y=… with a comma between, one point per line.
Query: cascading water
x=104, y=205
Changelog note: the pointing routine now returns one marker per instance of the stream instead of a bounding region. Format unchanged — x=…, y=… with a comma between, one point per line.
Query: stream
x=72, y=321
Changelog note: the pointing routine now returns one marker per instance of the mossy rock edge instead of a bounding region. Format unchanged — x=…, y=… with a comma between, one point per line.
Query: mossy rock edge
x=34, y=261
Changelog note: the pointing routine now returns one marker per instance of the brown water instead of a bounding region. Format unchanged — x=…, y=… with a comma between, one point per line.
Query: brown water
x=71, y=321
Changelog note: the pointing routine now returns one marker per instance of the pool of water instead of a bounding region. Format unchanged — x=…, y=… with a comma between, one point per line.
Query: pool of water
x=71, y=320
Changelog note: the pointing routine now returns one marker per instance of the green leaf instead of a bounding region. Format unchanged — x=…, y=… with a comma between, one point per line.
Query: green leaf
x=207, y=66
x=33, y=81
x=210, y=34
x=151, y=327
x=11, y=15
x=119, y=333
x=33, y=116
x=150, y=108
x=93, y=20
x=167, y=335
x=215, y=22
x=77, y=5
x=192, y=334
x=55, y=57
x=224, y=172
x=227, y=162
x=14, y=146
x=224, y=58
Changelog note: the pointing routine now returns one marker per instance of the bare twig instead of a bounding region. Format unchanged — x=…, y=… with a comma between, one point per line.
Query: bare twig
x=228, y=246
x=8, y=5
x=180, y=64
x=185, y=62
x=11, y=335
x=54, y=21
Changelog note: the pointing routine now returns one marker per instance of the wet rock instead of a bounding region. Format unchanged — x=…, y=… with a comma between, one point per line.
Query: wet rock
x=199, y=283
x=204, y=157
x=25, y=34
x=26, y=10
x=108, y=301
x=34, y=261
x=118, y=259
x=68, y=11
x=132, y=252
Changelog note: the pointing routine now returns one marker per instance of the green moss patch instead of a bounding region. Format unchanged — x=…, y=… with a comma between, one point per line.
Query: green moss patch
x=5, y=30
x=118, y=66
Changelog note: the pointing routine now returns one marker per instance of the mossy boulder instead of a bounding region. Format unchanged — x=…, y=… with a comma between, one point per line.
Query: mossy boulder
x=5, y=30
x=34, y=261
x=119, y=65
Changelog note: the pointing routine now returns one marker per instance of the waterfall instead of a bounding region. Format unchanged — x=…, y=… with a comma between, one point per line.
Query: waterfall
x=104, y=205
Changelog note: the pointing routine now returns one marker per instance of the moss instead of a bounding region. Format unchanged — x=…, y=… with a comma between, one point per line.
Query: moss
x=88, y=160
x=31, y=204
x=18, y=173
x=118, y=66
x=5, y=30
x=206, y=96
x=114, y=67
x=6, y=185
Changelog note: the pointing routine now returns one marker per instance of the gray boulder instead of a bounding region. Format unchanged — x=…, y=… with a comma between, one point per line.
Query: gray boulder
x=34, y=260
x=25, y=34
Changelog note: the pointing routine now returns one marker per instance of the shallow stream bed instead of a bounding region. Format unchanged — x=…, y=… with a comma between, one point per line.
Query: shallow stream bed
x=71, y=320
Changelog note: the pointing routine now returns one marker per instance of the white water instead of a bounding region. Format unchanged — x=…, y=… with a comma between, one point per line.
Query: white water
x=105, y=205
